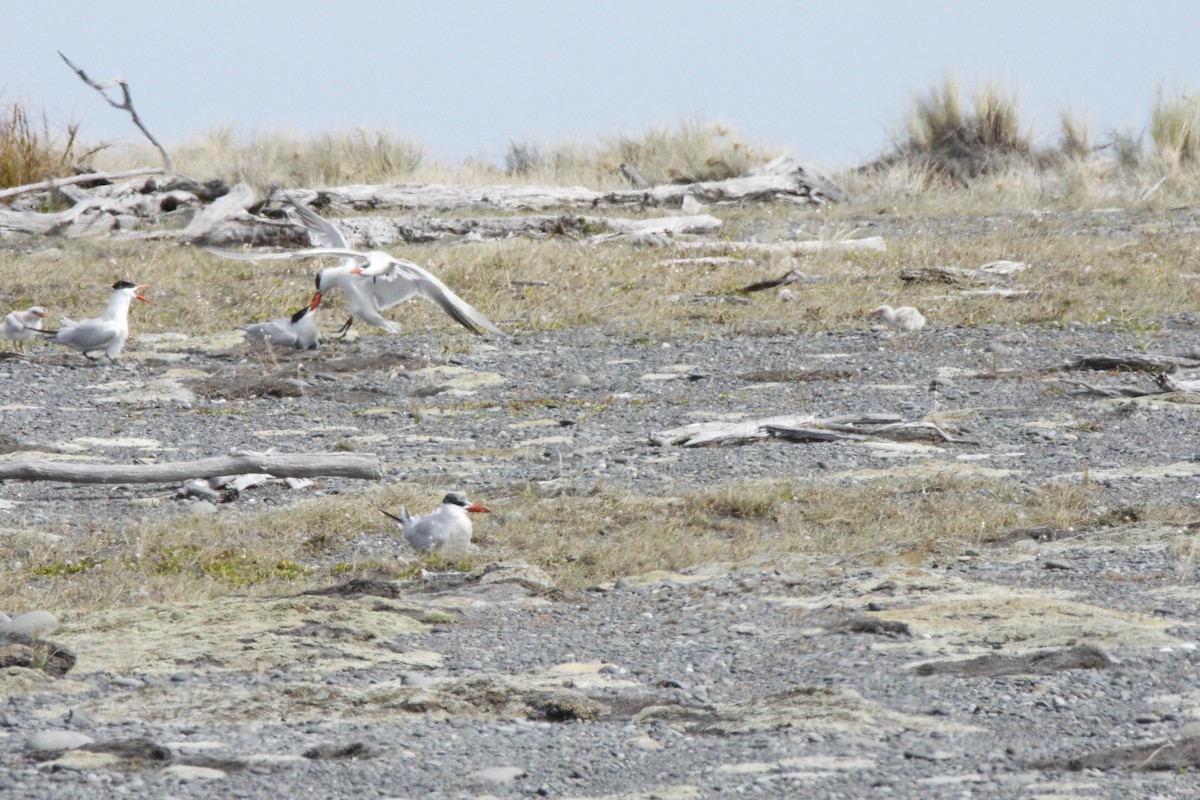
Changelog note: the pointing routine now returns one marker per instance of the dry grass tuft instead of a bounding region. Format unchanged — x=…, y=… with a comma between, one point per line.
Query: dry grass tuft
x=1175, y=128
x=30, y=151
x=955, y=144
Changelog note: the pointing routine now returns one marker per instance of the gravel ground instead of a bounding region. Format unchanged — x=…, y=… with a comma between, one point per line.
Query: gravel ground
x=793, y=677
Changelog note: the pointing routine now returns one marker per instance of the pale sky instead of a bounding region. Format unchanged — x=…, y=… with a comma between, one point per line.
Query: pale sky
x=823, y=81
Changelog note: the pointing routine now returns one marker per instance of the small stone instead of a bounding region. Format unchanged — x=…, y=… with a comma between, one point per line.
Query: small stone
x=1060, y=565
x=128, y=683
x=30, y=623
x=186, y=774
x=201, y=508
x=647, y=744
x=57, y=740
x=80, y=719
x=576, y=380
x=497, y=774
x=414, y=679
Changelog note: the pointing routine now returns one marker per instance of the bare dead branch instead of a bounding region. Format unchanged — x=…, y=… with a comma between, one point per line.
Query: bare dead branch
x=54, y=183
x=300, y=465
x=125, y=105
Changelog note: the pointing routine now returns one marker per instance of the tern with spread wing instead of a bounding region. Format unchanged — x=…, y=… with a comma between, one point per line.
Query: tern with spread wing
x=298, y=331
x=373, y=281
x=22, y=326
x=106, y=333
x=447, y=528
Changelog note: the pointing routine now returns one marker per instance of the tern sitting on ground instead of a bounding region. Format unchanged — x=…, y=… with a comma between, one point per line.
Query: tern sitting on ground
x=106, y=332
x=298, y=331
x=22, y=326
x=905, y=319
x=446, y=528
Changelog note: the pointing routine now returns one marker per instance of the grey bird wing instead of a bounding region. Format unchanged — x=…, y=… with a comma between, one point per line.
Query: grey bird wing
x=308, y=252
x=321, y=231
x=87, y=336
x=406, y=279
x=276, y=331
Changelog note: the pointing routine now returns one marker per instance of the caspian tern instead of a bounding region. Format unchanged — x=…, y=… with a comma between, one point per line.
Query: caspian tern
x=905, y=319
x=372, y=280
x=298, y=331
x=22, y=326
x=446, y=528
x=106, y=332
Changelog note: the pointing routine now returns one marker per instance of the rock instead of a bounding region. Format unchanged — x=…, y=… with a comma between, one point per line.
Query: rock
x=57, y=740
x=497, y=774
x=30, y=623
x=187, y=774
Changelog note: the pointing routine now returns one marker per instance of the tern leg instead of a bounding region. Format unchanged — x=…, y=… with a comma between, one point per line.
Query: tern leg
x=342, y=331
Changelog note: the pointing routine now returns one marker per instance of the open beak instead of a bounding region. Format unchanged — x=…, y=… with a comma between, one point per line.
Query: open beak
x=478, y=509
x=316, y=301
x=138, y=289
x=356, y=271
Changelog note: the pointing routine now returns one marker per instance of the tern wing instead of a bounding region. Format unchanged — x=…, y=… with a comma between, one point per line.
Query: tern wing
x=308, y=252
x=88, y=335
x=321, y=231
x=406, y=279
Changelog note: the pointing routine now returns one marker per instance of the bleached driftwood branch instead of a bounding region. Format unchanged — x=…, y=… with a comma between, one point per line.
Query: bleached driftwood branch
x=787, y=248
x=794, y=184
x=125, y=105
x=1131, y=362
x=799, y=428
x=87, y=177
x=299, y=465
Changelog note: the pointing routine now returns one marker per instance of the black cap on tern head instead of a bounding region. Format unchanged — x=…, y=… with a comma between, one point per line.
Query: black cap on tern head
x=124, y=285
x=456, y=499
x=299, y=315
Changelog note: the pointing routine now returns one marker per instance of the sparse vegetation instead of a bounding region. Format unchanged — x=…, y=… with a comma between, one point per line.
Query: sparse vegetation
x=30, y=150
x=1175, y=128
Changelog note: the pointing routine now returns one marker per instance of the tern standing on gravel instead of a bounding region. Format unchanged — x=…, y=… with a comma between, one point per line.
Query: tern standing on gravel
x=106, y=332
x=22, y=326
x=905, y=319
x=447, y=528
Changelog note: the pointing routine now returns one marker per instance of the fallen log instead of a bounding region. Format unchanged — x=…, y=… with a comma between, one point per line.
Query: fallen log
x=1130, y=362
x=793, y=184
x=86, y=177
x=300, y=465
x=787, y=248
x=801, y=428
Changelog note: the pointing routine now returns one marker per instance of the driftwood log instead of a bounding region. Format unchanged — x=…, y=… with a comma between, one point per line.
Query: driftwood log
x=800, y=428
x=1131, y=362
x=300, y=465
x=794, y=183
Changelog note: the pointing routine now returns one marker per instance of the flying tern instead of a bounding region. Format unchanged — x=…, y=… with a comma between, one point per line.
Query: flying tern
x=298, y=331
x=106, y=332
x=22, y=326
x=905, y=319
x=446, y=528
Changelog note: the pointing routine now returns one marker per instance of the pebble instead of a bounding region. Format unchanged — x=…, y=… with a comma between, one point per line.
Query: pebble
x=57, y=740
x=30, y=623
x=497, y=775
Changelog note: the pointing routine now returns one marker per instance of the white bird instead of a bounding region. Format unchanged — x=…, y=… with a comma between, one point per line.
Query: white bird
x=106, y=332
x=298, y=331
x=22, y=326
x=372, y=280
x=905, y=319
x=446, y=528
